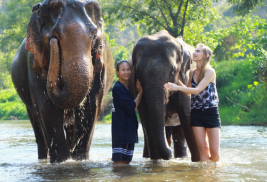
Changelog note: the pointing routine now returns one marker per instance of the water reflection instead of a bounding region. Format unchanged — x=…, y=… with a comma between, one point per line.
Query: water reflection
x=243, y=154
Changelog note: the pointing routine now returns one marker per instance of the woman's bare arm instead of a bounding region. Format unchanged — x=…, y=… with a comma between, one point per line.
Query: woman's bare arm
x=209, y=75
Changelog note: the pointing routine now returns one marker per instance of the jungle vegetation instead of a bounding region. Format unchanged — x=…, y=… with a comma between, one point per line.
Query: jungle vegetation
x=236, y=31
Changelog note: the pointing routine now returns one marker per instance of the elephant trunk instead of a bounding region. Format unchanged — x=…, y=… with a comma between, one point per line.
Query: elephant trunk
x=68, y=79
x=156, y=99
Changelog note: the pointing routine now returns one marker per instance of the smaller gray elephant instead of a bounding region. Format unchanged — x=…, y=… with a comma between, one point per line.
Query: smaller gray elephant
x=156, y=60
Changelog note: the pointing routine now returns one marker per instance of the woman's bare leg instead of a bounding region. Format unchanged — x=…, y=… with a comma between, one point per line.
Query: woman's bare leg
x=214, y=143
x=117, y=163
x=200, y=136
x=126, y=162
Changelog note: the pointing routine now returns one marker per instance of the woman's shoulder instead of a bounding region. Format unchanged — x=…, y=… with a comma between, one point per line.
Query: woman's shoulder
x=210, y=70
x=118, y=87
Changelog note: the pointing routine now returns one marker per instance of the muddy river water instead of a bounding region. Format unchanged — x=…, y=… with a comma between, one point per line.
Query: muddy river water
x=243, y=158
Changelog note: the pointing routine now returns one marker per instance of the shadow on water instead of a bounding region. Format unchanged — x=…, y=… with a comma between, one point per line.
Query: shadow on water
x=243, y=158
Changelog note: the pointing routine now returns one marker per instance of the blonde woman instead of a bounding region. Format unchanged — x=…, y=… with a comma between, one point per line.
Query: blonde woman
x=205, y=119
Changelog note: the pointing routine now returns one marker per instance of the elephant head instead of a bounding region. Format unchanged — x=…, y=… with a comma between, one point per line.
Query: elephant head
x=156, y=60
x=65, y=38
x=187, y=58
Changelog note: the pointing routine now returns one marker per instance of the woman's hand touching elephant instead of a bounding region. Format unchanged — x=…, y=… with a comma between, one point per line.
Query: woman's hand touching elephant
x=171, y=86
x=140, y=93
x=139, y=87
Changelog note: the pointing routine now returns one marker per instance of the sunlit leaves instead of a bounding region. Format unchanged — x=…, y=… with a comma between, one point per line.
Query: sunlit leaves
x=243, y=7
x=153, y=16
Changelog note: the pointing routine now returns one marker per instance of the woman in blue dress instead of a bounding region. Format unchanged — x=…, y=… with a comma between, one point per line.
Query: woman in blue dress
x=124, y=120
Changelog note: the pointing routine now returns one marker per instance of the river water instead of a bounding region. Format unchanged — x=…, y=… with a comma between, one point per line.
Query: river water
x=243, y=158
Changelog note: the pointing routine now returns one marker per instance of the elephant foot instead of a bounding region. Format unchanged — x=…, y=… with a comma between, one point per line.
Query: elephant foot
x=42, y=151
x=58, y=155
x=58, y=159
x=195, y=158
x=42, y=154
x=180, y=151
x=80, y=154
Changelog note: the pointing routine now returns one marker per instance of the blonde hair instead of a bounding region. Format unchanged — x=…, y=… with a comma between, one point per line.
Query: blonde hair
x=206, y=65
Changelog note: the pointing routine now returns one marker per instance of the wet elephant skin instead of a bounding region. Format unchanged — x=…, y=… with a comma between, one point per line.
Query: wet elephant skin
x=61, y=71
x=156, y=60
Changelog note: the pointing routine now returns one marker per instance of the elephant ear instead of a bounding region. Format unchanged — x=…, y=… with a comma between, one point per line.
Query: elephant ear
x=187, y=57
x=34, y=39
x=93, y=10
x=97, y=48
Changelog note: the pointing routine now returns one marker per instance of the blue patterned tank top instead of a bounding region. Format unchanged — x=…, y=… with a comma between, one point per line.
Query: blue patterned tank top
x=206, y=99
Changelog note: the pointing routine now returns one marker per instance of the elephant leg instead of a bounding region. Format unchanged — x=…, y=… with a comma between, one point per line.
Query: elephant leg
x=69, y=130
x=52, y=122
x=69, y=127
x=51, y=119
x=179, y=141
x=40, y=139
x=85, y=117
x=188, y=132
x=149, y=145
x=146, y=149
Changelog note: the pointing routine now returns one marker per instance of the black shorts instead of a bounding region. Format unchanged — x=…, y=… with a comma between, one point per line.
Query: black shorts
x=122, y=152
x=207, y=118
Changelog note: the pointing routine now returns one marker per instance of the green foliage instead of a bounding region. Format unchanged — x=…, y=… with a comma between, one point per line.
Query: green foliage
x=153, y=16
x=108, y=118
x=232, y=80
x=8, y=95
x=15, y=20
x=246, y=38
x=11, y=105
x=5, y=80
x=243, y=7
x=257, y=114
x=14, y=23
x=242, y=99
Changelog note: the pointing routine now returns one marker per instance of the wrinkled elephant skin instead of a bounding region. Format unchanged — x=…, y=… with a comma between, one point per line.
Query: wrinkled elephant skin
x=61, y=71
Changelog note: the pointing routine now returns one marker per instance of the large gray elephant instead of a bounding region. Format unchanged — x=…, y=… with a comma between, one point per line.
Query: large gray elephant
x=61, y=71
x=156, y=60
